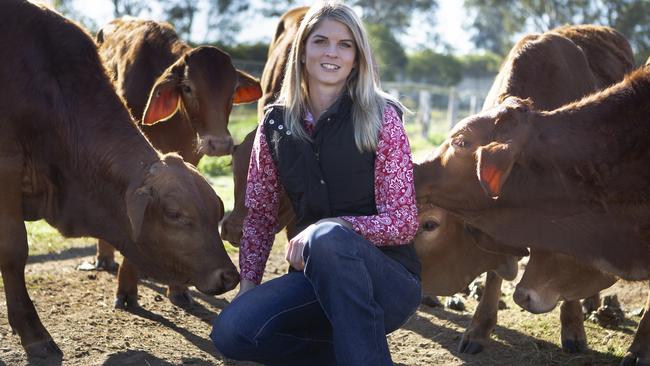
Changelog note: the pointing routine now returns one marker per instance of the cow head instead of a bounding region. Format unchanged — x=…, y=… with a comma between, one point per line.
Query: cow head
x=174, y=216
x=449, y=254
x=203, y=85
x=470, y=168
x=550, y=277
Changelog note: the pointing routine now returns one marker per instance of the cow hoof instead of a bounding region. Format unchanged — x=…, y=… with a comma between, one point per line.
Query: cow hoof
x=577, y=346
x=43, y=349
x=181, y=299
x=108, y=265
x=126, y=302
x=431, y=301
x=469, y=346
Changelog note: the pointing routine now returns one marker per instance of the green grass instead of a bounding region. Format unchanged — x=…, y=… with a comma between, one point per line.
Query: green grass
x=44, y=239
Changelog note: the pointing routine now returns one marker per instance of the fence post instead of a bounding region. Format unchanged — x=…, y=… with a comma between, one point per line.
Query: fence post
x=452, y=108
x=424, y=112
x=472, y=104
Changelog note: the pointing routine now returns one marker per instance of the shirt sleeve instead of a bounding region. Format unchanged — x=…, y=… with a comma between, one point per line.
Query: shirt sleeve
x=262, y=201
x=396, y=221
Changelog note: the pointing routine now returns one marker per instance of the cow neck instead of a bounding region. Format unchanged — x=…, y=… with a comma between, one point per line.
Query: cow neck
x=599, y=128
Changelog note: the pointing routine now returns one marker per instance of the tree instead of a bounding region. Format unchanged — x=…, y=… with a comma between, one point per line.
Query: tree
x=388, y=52
x=427, y=66
x=181, y=14
x=129, y=7
x=480, y=65
x=394, y=15
x=225, y=18
x=496, y=22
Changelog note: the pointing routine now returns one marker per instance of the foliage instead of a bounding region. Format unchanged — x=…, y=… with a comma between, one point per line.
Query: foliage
x=129, y=7
x=496, y=22
x=225, y=18
x=480, y=65
x=388, y=52
x=181, y=14
x=394, y=15
x=428, y=66
x=249, y=52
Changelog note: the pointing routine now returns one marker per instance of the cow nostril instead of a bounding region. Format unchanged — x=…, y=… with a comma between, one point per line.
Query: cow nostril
x=521, y=298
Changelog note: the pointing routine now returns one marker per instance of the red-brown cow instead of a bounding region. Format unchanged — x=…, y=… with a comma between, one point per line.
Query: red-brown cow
x=231, y=227
x=178, y=92
x=70, y=153
x=579, y=59
x=573, y=180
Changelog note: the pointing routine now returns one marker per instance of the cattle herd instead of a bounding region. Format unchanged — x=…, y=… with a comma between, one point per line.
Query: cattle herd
x=101, y=136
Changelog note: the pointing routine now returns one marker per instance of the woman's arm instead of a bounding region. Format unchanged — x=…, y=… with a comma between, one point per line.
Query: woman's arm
x=262, y=201
x=396, y=221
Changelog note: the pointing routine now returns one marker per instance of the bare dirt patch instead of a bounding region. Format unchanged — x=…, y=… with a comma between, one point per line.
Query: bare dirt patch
x=77, y=309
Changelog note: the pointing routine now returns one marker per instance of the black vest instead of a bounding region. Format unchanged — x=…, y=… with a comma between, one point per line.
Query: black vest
x=328, y=177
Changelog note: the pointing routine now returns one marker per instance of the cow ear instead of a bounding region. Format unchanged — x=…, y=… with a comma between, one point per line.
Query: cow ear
x=163, y=103
x=248, y=89
x=137, y=201
x=494, y=162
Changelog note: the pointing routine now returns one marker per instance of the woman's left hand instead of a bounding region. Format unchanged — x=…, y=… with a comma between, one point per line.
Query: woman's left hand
x=297, y=243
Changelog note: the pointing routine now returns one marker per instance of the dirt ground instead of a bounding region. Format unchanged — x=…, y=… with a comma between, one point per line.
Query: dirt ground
x=77, y=309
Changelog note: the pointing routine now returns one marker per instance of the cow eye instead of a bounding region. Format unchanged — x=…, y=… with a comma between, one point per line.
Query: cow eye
x=186, y=89
x=460, y=142
x=429, y=225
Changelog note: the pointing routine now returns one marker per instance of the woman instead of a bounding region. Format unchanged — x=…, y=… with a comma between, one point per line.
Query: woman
x=336, y=144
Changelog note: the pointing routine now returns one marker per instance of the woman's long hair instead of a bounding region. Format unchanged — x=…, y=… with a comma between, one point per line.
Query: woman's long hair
x=368, y=100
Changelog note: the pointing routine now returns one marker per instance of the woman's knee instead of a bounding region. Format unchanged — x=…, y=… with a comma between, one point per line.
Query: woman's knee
x=328, y=240
x=228, y=337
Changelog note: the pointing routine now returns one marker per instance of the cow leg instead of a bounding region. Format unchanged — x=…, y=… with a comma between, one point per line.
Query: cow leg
x=127, y=286
x=639, y=352
x=22, y=315
x=105, y=258
x=573, y=336
x=484, y=319
x=180, y=296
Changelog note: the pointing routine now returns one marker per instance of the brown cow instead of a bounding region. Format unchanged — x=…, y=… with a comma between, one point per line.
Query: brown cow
x=231, y=227
x=580, y=59
x=178, y=91
x=70, y=153
x=574, y=180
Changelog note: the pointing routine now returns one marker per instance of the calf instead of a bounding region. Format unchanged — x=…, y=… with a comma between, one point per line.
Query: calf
x=178, y=92
x=551, y=69
x=70, y=153
x=231, y=227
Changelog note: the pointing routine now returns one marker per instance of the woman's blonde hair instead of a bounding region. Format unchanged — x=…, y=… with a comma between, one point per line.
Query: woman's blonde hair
x=368, y=100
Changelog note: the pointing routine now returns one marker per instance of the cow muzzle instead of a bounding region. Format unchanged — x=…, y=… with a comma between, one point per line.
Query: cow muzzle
x=216, y=145
x=219, y=281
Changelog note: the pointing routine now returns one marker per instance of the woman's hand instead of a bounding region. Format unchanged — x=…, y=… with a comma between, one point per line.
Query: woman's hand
x=244, y=286
x=297, y=243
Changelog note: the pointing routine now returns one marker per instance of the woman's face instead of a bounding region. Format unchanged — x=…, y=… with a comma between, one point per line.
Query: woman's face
x=330, y=54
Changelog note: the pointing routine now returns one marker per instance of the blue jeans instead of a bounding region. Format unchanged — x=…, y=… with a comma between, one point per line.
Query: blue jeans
x=337, y=312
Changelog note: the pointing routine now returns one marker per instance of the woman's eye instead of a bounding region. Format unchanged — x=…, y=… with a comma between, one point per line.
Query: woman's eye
x=319, y=41
x=345, y=45
x=430, y=225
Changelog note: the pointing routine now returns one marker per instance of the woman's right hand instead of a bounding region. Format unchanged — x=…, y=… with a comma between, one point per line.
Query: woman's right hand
x=244, y=286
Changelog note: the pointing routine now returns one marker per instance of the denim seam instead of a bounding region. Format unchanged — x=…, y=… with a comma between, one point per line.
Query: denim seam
x=305, y=339
x=278, y=314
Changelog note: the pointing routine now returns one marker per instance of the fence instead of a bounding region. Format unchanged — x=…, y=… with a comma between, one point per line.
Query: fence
x=438, y=108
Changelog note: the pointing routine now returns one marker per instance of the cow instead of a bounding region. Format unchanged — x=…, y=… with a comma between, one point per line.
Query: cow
x=272, y=76
x=70, y=153
x=550, y=277
x=551, y=69
x=177, y=92
x=571, y=180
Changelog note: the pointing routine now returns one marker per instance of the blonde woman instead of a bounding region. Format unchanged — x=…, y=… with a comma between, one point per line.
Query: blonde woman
x=336, y=145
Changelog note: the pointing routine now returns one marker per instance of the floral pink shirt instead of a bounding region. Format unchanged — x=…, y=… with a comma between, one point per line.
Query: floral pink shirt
x=396, y=220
